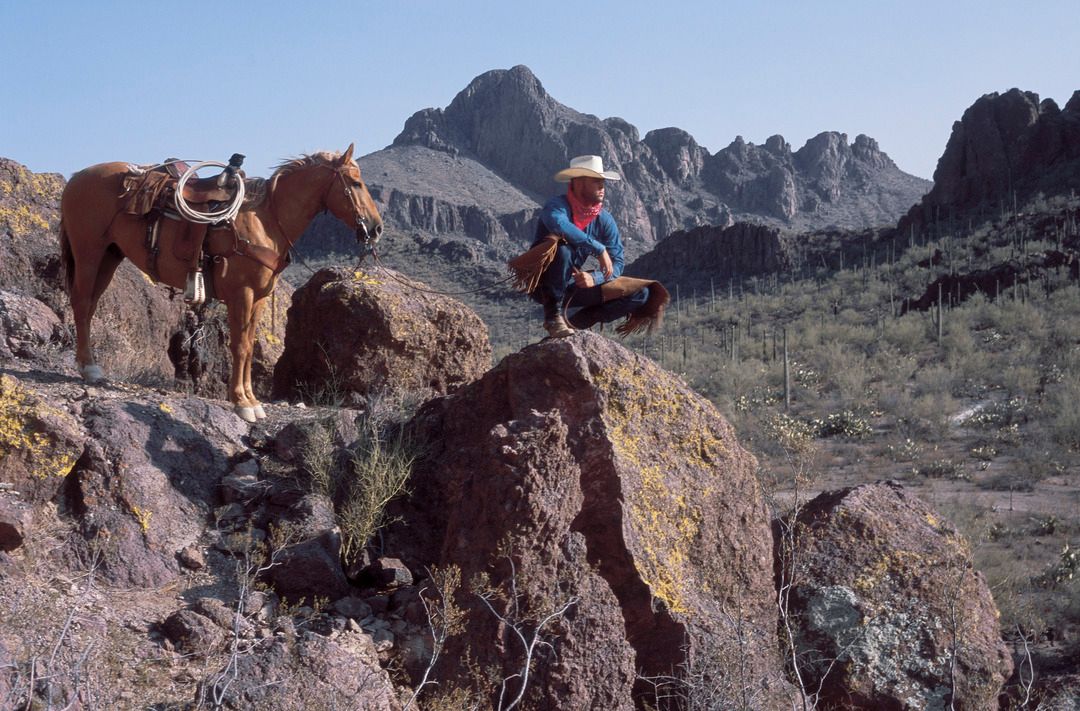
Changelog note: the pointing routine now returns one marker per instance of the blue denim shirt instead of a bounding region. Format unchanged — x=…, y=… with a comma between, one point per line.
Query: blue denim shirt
x=600, y=234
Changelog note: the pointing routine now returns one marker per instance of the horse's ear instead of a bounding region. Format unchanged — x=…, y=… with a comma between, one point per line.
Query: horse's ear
x=347, y=155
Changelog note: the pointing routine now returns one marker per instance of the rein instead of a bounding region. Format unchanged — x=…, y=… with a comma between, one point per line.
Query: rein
x=414, y=287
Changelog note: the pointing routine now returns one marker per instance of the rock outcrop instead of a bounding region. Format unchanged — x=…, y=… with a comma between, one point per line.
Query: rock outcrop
x=1005, y=149
x=352, y=333
x=29, y=329
x=39, y=442
x=29, y=217
x=115, y=499
x=584, y=483
x=712, y=253
x=145, y=485
x=889, y=611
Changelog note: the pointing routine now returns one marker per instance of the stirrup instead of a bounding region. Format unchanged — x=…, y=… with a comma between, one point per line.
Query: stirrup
x=195, y=290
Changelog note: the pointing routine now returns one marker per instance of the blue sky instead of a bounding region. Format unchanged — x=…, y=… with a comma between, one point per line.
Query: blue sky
x=85, y=82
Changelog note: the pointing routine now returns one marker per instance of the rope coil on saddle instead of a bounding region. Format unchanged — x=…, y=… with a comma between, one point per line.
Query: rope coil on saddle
x=227, y=213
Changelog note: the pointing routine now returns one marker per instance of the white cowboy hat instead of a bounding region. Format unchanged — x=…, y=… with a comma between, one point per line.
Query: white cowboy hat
x=585, y=167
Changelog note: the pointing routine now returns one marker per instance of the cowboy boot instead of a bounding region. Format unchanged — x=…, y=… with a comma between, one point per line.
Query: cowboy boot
x=555, y=323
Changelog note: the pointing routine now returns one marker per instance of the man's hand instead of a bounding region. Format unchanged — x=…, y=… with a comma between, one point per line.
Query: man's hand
x=583, y=280
x=605, y=264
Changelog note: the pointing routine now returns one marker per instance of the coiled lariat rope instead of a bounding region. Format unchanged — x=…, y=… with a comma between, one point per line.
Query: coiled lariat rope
x=225, y=214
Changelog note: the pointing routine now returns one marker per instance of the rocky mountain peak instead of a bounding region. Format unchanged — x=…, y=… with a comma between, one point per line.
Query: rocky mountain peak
x=677, y=152
x=505, y=123
x=1006, y=146
x=777, y=145
x=866, y=150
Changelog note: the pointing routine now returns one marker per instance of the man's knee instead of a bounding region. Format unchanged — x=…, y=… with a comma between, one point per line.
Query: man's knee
x=562, y=254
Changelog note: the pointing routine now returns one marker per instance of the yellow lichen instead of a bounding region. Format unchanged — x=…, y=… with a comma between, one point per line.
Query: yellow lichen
x=666, y=522
x=365, y=279
x=269, y=337
x=891, y=563
x=164, y=407
x=22, y=219
x=143, y=516
x=20, y=420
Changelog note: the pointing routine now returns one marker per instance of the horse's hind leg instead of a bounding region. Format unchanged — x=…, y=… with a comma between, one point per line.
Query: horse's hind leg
x=88, y=303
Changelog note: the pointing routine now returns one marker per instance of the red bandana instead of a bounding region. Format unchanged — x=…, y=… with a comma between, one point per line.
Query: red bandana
x=581, y=213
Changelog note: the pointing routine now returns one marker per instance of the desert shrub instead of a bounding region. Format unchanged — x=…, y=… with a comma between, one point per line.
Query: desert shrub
x=846, y=371
x=1063, y=570
x=1008, y=480
x=908, y=334
x=1021, y=377
x=379, y=467
x=892, y=366
x=1063, y=408
x=906, y=451
x=962, y=353
x=940, y=469
x=999, y=414
x=923, y=417
x=362, y=479
x=841, y=424
x=1020, y=320
x=791, y=434
x=934, y=379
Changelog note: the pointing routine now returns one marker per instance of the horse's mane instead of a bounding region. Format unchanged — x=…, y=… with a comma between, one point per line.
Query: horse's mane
x=291, y=165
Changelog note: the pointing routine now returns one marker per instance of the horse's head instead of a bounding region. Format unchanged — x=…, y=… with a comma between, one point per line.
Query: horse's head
x=348, y=199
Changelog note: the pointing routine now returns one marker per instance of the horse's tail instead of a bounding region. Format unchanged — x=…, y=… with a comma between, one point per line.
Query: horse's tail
x=67, y=259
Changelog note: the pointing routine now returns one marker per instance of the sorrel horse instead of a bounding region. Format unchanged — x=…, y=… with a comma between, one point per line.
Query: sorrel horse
x=96, y=234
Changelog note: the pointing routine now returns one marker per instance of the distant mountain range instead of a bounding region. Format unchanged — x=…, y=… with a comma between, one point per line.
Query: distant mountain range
x=480, y=167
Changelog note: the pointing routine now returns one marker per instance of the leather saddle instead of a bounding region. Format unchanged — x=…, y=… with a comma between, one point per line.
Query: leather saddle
x=154, y=189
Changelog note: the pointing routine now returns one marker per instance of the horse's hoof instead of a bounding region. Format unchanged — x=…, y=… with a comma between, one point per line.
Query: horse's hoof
x=247, y=414
x=260, y=413
x=92, y=374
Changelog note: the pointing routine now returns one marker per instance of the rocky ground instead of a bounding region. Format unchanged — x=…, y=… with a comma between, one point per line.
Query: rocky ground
x=179, y=558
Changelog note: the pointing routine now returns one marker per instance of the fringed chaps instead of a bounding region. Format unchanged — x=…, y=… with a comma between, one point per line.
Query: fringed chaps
x=526, y=270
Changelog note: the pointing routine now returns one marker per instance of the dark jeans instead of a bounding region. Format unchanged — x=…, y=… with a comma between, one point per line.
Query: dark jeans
x=557, y=287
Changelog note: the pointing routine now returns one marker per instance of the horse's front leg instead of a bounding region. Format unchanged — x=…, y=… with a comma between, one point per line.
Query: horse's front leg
x=249, y=390
x=241, y=341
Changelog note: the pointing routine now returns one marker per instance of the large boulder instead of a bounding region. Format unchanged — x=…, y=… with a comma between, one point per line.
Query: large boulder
x=147, y=482
x=579, y=480
x=887, y=608
x=310, y=672
x=351, y=333
x=29, y=330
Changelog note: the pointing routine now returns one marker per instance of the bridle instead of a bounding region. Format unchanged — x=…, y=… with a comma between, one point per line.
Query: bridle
x=277, y=261
x=363, y=236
